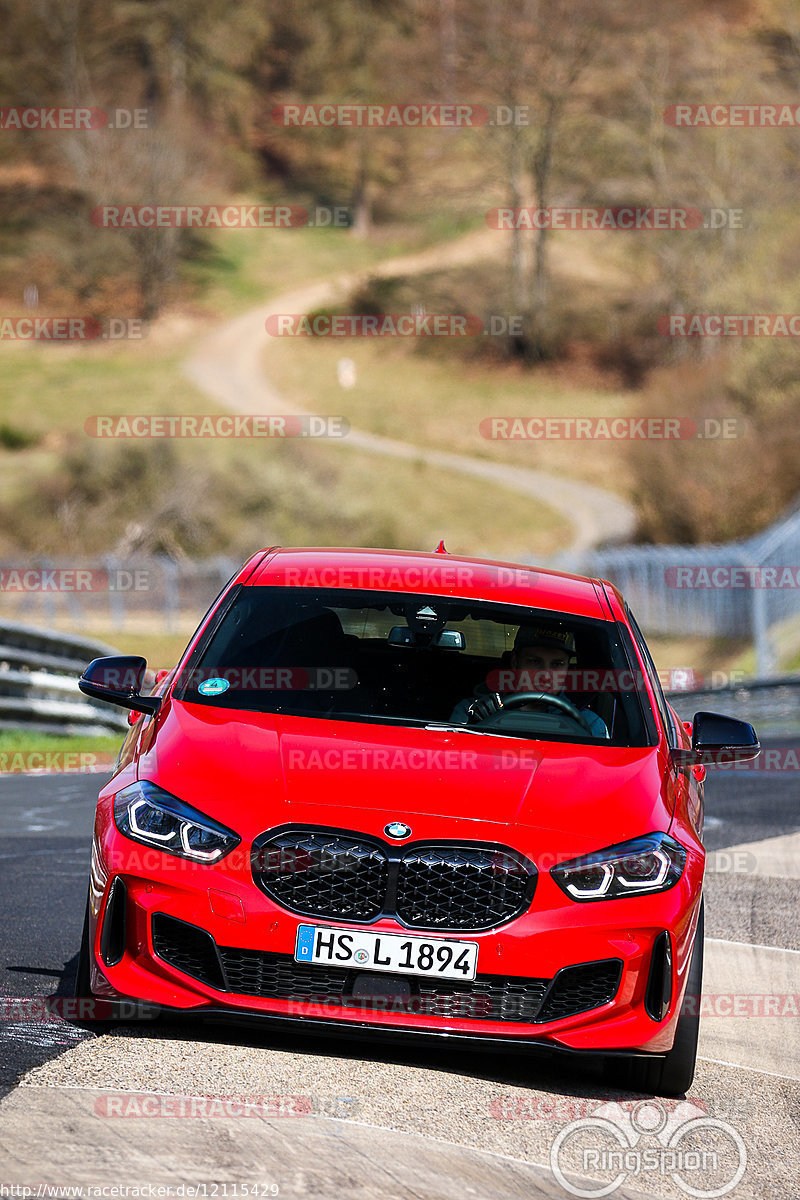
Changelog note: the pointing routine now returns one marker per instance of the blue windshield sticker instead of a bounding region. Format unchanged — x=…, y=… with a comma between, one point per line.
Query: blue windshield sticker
x=213, y=687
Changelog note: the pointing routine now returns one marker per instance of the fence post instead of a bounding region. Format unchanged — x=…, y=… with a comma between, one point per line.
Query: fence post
x=116, y=600
x=171, y=602
x=765, y=658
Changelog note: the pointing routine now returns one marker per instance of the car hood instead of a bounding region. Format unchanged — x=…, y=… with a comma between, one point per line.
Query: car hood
x=255, y=771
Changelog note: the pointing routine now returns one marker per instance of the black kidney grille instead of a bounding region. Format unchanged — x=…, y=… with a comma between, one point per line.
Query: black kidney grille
x=340, y=876
x=576, y=989
x=455, y=887
x=323, y=874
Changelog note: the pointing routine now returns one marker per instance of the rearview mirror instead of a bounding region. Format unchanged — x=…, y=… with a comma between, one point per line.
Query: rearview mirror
x=718, y=739
x=118, y=680
x=445, y=639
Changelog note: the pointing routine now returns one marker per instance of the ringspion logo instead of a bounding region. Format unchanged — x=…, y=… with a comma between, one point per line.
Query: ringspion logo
x=704, y=1156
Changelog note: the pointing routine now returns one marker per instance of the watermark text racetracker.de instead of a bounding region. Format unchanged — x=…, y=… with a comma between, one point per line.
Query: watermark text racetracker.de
x=734, y=116
x=126, y=1105
x=570, y=1108
x=736, y=576
x=71, y=329
x=729, y=325
x=202, y=1190
x=370, y=325
x=604, y=429
x=44, y=119
x=411, y=115
x=74, y=579
x=382, y=758
x=410, y=324
x=213, y=425
x=771, y=759
x=428, y=575
x=739, y=1005
x=54, y=762
x=220, y=216
x=620, y=217
x=28, y=1009
x=586, y=217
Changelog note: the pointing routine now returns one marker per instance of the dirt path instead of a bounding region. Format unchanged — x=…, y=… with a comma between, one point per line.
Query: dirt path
x=229, y=367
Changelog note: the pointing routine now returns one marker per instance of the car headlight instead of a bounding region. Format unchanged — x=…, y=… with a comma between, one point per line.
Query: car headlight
x=148, y=814
x=653, y=863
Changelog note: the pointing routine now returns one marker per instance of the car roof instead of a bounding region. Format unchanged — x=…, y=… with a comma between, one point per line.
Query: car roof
x=433, y=574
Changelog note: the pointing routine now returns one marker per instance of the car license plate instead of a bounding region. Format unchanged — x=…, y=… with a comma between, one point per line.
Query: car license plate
x=395, y=952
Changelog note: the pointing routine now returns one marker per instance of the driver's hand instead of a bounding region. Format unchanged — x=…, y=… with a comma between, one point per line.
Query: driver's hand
x=484, y=707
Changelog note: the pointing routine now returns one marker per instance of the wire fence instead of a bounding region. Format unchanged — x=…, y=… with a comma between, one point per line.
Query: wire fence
x=111, y=592
x=739, y=589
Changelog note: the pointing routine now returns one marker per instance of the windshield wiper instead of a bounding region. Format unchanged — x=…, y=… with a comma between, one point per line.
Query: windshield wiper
x=452, y=727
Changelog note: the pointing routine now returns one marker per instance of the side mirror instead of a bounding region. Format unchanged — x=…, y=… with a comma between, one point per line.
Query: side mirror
x=718, y=739
x=118, y=680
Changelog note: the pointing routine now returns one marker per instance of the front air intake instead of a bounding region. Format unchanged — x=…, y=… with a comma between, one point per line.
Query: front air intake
x=658, y=994
x=114, y=932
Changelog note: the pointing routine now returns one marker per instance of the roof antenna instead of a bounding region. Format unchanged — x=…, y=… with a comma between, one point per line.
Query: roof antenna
x=441, y=548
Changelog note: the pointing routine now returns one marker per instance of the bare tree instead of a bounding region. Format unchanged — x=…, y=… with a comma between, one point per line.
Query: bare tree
x=534, y=58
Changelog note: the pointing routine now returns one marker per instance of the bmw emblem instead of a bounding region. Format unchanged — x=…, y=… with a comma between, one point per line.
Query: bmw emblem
x=397, y=830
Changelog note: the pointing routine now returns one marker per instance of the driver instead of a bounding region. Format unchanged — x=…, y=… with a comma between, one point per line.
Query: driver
x=536, y=650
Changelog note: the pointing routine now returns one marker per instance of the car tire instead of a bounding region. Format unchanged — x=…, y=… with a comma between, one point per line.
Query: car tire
x=117, y=1013
x=82, y=975
x=670, y=1074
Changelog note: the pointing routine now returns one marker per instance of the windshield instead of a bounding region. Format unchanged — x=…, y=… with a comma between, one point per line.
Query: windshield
x=407, y=659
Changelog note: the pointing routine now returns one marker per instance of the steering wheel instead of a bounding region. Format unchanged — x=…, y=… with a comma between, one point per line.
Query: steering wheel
x=546, y=698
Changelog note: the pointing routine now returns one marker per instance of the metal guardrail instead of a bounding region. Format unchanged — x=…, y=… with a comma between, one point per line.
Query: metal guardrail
x=771, y=705
x=39, y=671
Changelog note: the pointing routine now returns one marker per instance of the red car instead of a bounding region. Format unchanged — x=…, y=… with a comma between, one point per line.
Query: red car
x=413, y=794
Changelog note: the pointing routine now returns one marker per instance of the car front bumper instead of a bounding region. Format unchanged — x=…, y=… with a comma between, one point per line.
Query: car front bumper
x=133, y=889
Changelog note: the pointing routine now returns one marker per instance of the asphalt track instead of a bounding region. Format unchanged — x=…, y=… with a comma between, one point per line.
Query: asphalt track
x=378, y=1120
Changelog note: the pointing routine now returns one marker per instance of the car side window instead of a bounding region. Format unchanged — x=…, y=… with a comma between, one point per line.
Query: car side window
x=652, y=674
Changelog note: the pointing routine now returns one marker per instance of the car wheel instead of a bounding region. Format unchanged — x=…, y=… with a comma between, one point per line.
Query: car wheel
x=82, y=987
x=114, y=1012
x=672, y=1074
